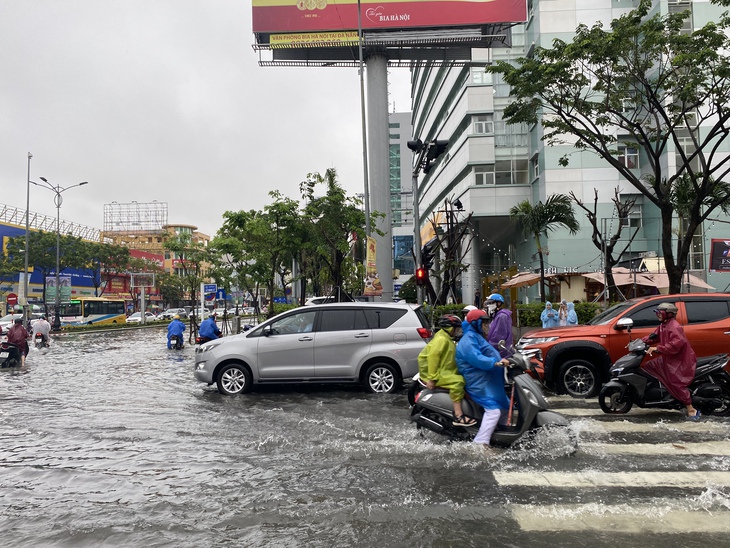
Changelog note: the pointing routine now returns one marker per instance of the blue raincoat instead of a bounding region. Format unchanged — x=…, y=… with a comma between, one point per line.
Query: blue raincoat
x=175, y=327
x=549, y=316
x=209, y=329
x=475, y=358
x=572, y=316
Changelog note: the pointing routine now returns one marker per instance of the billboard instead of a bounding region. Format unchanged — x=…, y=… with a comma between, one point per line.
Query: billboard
x=301, y=16
x=719, y=255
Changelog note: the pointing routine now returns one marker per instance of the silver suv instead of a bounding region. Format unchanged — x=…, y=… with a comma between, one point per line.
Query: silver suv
x=375, y=344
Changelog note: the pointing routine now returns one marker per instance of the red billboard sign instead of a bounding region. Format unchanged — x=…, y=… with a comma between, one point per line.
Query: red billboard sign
x=720, y=255
x=283, y=16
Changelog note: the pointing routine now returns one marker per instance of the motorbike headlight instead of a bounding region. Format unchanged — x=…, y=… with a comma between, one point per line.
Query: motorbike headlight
x=531, y=397
x=537, y=340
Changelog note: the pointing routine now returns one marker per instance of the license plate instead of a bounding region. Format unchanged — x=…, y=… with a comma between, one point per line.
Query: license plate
x=3, y=355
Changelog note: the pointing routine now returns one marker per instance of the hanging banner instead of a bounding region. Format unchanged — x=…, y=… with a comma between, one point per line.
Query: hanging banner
x=373, y=287
x=719, y=255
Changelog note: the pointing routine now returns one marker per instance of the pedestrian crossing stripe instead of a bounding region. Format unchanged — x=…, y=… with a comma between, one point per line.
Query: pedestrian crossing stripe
x=718, y=448
x=642, y=519
x=614, y=479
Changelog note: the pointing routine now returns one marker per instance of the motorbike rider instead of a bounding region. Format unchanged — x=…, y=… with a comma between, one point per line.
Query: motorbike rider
x=675, y=367
x=18, y=336
x=44, y=328
x=480, y=364
x=437, y=367
x=208, y=330
x=175, y=327
x=500, y=328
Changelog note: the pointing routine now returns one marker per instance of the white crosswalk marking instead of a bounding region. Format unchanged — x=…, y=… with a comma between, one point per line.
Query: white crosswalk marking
x=720, y=448
x=613, y=479
x=624, y=518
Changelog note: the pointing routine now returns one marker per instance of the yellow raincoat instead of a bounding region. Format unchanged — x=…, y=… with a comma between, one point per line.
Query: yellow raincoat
x=437, y=362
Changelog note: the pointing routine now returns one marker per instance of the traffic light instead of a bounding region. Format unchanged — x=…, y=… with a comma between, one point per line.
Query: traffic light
x=427, y=253
x=421, y=276
x=435, y=149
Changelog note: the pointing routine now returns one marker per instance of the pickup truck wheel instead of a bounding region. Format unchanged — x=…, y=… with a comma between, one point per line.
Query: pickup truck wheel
x=579, y=379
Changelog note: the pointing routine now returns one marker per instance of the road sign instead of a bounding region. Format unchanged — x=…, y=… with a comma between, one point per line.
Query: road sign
x=12, y=299
x=210, y=288
x=221, y=295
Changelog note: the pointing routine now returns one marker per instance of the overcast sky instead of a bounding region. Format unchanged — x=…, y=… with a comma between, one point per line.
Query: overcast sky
x=164, y=100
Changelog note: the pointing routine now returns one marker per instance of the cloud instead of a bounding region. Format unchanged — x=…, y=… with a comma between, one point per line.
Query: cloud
x=165, y=101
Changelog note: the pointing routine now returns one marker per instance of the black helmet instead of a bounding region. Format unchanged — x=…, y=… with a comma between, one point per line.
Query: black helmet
x=448, y=320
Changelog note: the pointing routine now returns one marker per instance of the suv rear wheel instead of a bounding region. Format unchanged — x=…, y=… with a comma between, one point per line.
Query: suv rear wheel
x=579, y=379
x=381, y=378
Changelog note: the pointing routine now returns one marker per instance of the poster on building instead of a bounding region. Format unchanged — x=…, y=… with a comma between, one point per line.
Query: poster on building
x=373, y=287
x=720, y=255
x=64, y=282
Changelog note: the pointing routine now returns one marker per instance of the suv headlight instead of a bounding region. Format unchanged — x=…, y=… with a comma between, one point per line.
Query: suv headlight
x=210, y=345
x=537, y=340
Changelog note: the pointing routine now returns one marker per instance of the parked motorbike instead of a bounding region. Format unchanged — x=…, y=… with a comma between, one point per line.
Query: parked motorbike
x=528, y=412
x=40, y=341
x=176, y=342
x=631, y=385
x=9, y=355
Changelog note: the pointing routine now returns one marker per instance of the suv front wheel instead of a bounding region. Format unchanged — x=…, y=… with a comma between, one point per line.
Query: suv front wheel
x=579, y=379
x=234, y=379
x=381, y=378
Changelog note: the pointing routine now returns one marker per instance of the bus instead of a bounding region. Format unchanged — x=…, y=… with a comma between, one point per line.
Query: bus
x=93, y=310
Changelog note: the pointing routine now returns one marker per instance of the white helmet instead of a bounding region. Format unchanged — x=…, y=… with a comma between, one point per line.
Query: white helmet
x=468, y=308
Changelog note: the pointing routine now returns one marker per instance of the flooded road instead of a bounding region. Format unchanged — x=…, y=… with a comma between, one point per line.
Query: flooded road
x=108, y=443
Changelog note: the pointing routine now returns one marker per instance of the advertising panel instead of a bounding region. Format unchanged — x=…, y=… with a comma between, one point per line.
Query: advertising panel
x=286, y=16
x=720, y=255
x=373, y=287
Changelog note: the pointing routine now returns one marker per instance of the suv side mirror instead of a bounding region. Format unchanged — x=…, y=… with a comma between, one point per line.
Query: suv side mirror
x=625, y=323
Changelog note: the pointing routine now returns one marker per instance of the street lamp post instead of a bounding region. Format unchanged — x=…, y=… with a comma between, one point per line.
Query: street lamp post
x=26, y=303
x=58, y=200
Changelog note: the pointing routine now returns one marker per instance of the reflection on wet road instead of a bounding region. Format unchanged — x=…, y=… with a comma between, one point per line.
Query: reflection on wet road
x=106, y=439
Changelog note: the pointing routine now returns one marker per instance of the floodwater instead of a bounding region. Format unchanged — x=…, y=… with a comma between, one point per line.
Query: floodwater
x=106, y=439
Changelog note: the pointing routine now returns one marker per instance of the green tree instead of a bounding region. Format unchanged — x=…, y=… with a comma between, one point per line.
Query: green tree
x=105, y=262
x=192, y=263
x=556, y=212
x=645, y=83
x=42, y=254
x=331, y=221
x=260, y=245
x=171, y=288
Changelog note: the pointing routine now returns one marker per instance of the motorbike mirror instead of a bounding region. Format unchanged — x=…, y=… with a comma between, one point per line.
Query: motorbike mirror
x=501, y=345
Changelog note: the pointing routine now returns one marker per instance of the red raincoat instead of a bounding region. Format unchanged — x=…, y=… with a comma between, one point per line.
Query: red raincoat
x=675, y=368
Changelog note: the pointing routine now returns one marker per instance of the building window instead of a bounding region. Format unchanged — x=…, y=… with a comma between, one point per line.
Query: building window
x=629, y=156
x=634, y=218
x=394, y=136
x=535, y=164
x=394, y=125
x=483, y=124
x=484, y=175
x=480, y=77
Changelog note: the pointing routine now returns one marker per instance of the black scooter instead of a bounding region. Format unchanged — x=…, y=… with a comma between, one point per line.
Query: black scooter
x=433, y=410
x=41, y=341
x=9, y=355
x=631, y=385
x=176, y=342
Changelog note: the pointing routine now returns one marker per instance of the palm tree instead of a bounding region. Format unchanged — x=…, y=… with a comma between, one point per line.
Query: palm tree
x=541, y=218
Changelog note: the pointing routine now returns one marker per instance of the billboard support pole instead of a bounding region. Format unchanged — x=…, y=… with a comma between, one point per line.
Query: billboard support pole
x=366, y=192
x=377, y=73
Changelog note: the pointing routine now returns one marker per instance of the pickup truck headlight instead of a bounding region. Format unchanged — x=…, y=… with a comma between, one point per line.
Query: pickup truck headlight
x=537, y=340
